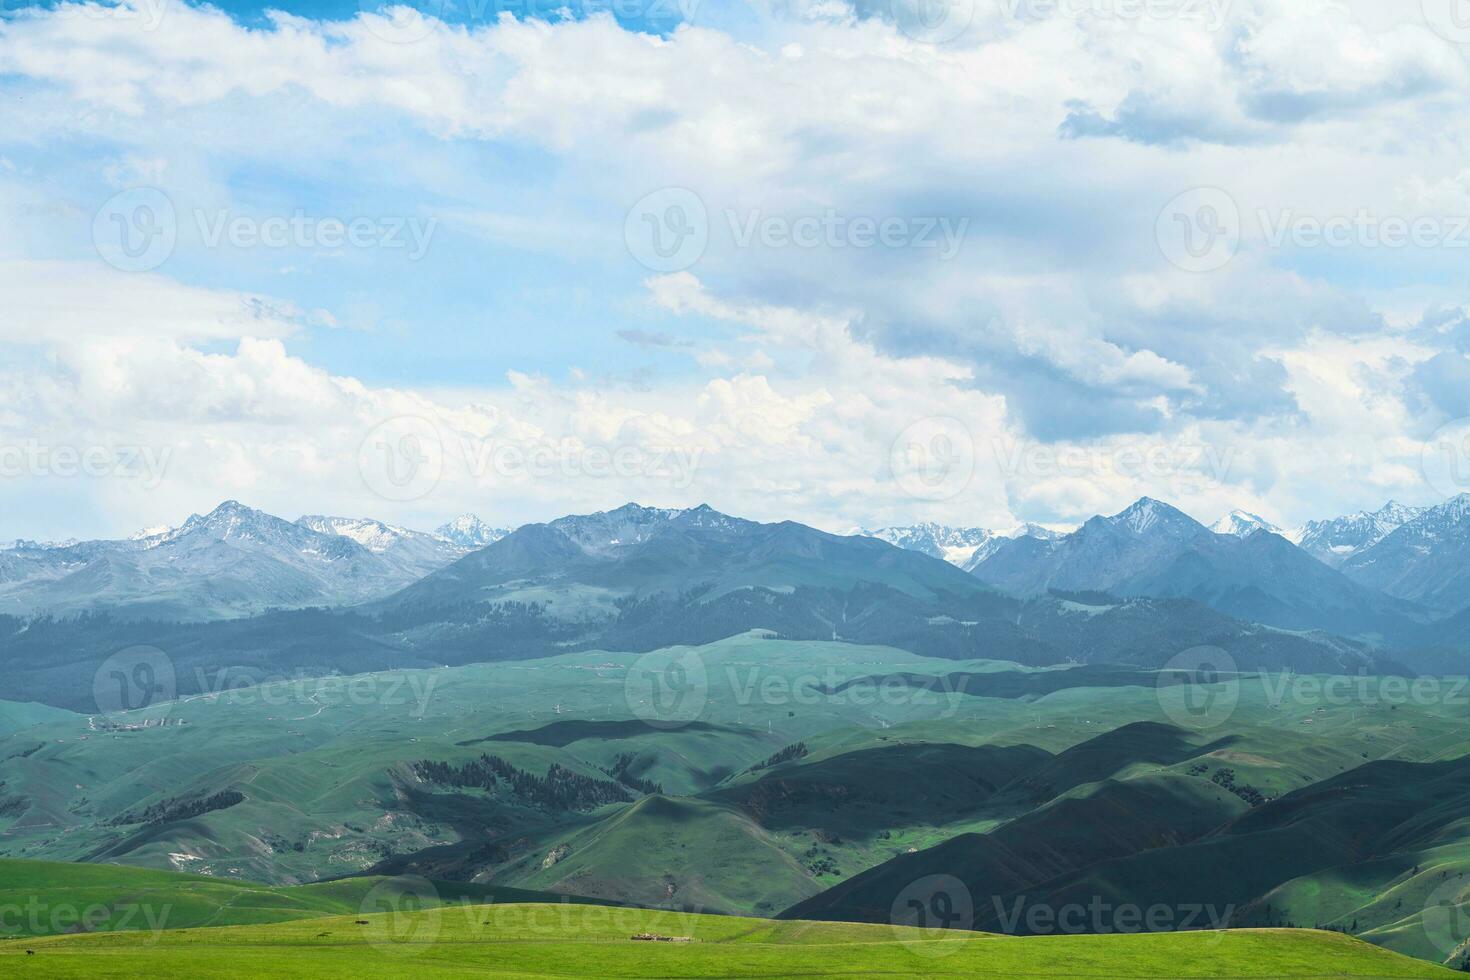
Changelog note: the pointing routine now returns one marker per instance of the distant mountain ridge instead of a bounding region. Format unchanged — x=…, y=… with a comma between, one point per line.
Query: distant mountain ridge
x=232, y=561
x=1240, y=523
x=1335, y=541
x=962, y=546
x=633, y=579
x=637, y=551
x=1392, y=571
x=1153, y=549
x=1425, y=559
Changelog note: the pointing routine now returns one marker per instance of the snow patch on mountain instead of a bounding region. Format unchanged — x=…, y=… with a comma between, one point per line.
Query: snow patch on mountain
x=1338, y=539
x=1239, y=523
x=373, y=535
x=469, y=532
x=962, y=546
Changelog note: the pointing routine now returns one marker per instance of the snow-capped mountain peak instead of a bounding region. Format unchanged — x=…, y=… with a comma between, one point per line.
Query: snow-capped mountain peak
x=1147, y=515
x=962, y=546
x=230, y=520
x=1337, y=539
x=1241, y=523
x=631, y=524
x=372, y=534
x=469, y=532
x=1424, y=560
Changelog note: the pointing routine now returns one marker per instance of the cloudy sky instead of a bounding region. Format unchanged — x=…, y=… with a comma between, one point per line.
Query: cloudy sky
x=869, y=263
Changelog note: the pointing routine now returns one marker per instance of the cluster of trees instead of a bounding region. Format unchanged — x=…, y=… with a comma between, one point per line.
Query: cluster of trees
x=167, y=811
x=622, y=771
x=1225, y=778
x=797, y=750
x=560, y=789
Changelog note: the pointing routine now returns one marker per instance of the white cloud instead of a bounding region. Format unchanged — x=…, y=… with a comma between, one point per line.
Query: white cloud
x=1059, y=323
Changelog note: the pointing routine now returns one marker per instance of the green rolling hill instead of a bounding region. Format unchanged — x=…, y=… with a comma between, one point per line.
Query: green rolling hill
x=48, y=897
x=528, y=941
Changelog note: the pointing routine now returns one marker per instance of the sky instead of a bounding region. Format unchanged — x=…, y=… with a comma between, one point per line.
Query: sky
x=870, y=263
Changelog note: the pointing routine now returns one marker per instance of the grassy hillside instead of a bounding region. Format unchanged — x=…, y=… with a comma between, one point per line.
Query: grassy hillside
x=16, y=716
x=681, y=852
x=817, y=772
x=520, y=941
x=47, y=897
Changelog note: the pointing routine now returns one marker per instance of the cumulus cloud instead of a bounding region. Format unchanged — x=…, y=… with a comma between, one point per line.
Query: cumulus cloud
x=1024, y=165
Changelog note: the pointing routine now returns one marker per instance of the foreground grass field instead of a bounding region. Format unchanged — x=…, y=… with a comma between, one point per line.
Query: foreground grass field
x=40, y=898
x=539, y=941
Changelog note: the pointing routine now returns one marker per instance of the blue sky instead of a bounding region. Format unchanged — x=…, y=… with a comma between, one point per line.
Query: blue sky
x=981, y=249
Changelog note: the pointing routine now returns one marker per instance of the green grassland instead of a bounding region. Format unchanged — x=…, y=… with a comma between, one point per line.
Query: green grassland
x=16, y=716
x=525, y=941
x=47, y=897
x=1036, y=781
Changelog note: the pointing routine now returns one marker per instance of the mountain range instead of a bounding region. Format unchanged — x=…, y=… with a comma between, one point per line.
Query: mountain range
x=1378, y=574
x=232, y=561
x=1134, y=587
x=966, y=547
